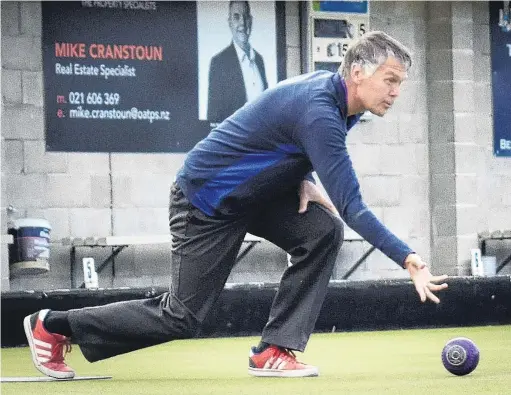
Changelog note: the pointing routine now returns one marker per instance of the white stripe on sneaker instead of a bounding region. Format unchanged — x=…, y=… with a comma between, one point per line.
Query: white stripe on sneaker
x=40, y=351
x=42, y=359
x=40, y=343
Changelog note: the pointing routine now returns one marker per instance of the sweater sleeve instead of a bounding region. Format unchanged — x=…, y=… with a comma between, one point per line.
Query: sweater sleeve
x=322, y=135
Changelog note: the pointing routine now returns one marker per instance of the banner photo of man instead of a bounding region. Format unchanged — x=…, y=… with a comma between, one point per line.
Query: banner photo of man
x=237, y=48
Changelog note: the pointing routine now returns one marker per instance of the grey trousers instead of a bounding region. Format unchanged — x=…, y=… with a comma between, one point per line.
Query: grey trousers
x=204, y=251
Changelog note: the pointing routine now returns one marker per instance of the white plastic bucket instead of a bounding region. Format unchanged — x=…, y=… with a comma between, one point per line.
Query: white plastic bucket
x=30, y=252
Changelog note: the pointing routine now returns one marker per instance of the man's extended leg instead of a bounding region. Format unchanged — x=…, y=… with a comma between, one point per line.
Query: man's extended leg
x=313, y=239
x=204, y=250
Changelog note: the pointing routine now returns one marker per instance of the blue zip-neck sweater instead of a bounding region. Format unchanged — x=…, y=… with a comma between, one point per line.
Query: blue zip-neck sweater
x=267, y=147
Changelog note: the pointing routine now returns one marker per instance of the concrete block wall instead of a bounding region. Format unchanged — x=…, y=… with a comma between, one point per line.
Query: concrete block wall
x=415, y=165
x=469, y=185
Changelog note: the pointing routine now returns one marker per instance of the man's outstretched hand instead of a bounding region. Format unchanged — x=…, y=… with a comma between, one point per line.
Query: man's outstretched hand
x=425, y=283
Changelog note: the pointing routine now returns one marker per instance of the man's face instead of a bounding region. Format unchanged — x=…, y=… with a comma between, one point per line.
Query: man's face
x=379, y=90
x=240, y=22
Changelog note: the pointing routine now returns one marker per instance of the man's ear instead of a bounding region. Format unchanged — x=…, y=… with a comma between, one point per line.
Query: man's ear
x=357, y=73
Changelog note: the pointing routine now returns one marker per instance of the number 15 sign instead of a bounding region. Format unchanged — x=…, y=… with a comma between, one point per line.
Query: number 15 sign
x=335, y=24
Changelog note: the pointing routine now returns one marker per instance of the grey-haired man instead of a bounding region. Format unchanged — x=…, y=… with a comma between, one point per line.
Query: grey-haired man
x=252, y=173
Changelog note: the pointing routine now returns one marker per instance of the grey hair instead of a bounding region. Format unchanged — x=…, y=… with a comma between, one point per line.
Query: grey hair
x=372, y=50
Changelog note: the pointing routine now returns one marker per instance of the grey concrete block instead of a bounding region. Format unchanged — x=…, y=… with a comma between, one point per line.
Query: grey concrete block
x=465, y=127
x=468, y=158
x=441, y=96
x=22, y=53
x=140, y=221
x=381, y=191
x=377, y=131
x=483, y=96
x=32, y=86
x=84, y=222
x=168, y=164
x=444, y=255
x=413, y=127
x=88, y=163
x=38, y=160
x=444, y=220
x=438, y=11
x=294, y=63
x=499, y=165
x=441, y=127
x=418, y=70
x=439, y=65
x=439, y=36
x=11, y=86
x=23, y=122
x=463, y=96
x=398, y=160
x=412, y=98
x=293, y=8
x=292, y=31
x=482, y=69
x=463, y=65
x=366, y=158
x=461, y=12
x=466, y=189
x=148, y=190
x=481, y=12
x=26, y=190
x=442, y=158
x=10, y=18
x=12, y=157
x=414, y=190
x=399, y=220
x=70, y=191
x=31, y=16
x=100, y=191
x=467, y=220
x=482, y=39
x=443, y=189
x=420, y=38
x=463, y=38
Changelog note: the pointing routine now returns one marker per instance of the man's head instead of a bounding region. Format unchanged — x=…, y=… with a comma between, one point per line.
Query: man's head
x=374, y=68
x=240, y=22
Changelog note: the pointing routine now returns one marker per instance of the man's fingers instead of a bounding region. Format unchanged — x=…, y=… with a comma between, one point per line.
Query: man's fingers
x=437, y=287
x=422, y=293
x=303, y=206
x=431, y=296
x=436, y=279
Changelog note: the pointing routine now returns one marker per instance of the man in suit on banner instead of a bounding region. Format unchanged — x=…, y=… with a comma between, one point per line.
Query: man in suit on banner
x=236, y=74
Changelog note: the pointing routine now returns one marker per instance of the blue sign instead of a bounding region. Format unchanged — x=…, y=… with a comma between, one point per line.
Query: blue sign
x=500, y=29
x=353, y=6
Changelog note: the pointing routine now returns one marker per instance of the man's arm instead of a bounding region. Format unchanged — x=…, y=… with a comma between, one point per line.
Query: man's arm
x=323, y=139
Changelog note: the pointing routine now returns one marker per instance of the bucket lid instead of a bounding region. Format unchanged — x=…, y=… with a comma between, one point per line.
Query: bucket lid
x=30, y=222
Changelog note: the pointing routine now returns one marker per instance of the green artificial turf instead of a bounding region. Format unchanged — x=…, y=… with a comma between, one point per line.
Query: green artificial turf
x=387, y=362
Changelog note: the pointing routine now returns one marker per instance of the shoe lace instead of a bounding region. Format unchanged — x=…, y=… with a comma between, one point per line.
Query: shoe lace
x=61, y=349
x=286, y=354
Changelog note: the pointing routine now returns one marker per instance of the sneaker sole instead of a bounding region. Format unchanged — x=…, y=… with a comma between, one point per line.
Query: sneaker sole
x=44, y=370
x=311, y=372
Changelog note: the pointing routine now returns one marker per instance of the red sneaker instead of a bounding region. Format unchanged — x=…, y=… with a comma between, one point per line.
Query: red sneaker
x=278, y=362
x=48, y=349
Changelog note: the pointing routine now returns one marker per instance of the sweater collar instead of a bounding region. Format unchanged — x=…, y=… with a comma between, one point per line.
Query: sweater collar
x=342, y=97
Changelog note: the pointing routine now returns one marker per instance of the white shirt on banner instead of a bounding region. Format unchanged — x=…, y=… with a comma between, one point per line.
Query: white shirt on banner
x=251, y=76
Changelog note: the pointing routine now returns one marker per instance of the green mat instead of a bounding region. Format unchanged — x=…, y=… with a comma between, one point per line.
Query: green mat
x=374, y=363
